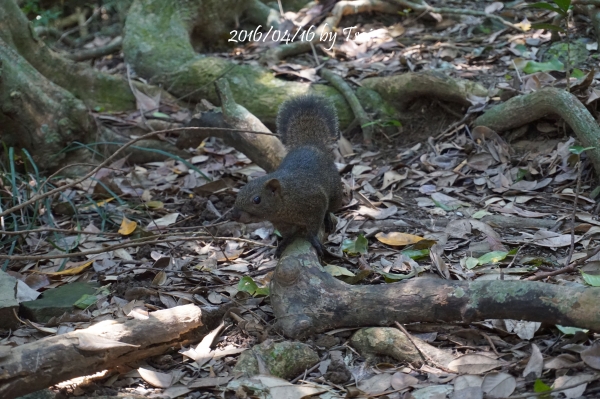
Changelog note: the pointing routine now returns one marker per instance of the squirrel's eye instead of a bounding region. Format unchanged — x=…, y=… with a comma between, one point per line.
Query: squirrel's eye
x=256, y=200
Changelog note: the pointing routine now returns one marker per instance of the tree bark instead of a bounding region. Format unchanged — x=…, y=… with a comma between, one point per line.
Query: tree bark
x=106, y=345
x=307, y=300
x=35, y=113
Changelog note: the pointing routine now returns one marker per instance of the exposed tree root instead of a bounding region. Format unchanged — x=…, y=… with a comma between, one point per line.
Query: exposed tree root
x=264, y=150
x=105, y=345
x=40, y=116
x=402, y=89
x=340, y=10
x=359, y=112
x=307, y=300
x=421, y=6
x=87, y=54
x=530, y=107
x=94, y=88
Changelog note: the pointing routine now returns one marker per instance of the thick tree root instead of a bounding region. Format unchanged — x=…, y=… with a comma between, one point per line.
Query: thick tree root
x=106, y=345
x=94, y=88
x=307, y=300
x=263, y=149
x=40, y=116
x=402, y=89
x=266, y=151
x=530, y=107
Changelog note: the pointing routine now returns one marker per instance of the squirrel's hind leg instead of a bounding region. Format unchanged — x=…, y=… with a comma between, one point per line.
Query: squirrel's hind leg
x=316, y=243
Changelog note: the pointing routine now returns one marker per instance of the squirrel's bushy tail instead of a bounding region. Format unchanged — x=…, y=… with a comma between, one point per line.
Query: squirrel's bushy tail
x=307, y=120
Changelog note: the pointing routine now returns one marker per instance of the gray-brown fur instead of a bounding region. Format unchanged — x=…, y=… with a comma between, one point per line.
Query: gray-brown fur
x=298, y=196
x=307, y=120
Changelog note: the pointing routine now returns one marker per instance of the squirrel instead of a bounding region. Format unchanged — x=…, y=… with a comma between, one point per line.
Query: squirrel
x=298, y=196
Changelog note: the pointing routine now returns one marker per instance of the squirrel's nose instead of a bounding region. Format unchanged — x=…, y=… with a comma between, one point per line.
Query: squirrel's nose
x=236, y=214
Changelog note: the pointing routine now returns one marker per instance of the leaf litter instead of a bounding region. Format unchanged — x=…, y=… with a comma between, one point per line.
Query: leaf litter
x=425, y=205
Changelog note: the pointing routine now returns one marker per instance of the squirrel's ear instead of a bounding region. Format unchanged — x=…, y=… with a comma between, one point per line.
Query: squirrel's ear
x=273, y=185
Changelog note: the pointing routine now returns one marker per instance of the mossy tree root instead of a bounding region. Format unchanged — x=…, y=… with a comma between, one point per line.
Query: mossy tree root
x=530, y=107
x=401, y=90
x=159, y=44
x=94, y=88
x=359, y=112
x=35, y=113
x=307, y=300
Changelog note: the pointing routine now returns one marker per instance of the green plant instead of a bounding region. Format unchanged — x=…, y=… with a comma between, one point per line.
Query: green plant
x=39, y=16
x=561, y=7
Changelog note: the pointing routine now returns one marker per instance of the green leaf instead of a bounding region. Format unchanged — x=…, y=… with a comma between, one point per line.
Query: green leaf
x=444, y=206
x=570, y=330
x=370, y=124
x=552, y=65
x=595, y=192
x=539, y=386
x=160, y=115
x=551, y=27
x=513, y=251
x=358, y=246
x=577, y=149
x=85, y=301
x=521, y=173
x=591, y=279
x=492, y=257
x=578, y=73
x=470, y=262
x=415, y=254
x=248, y=285
x=392, y=277
x=360, y=276
x=262, y=291
x=338, y=271
x=545, y=6
x=480, y=214
x=563, y=5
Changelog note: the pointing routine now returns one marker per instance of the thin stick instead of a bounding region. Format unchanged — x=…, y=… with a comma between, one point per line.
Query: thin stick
x=112, y=157
x=575, y=200
x=566, y=269
x=426, y=358
x=129, y=244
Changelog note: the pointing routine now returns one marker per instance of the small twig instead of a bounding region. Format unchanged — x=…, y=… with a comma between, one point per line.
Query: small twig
x=489, y=340
x=426, y=358
x=129, y=244
x=310, y=370
x=54, y=230
x=78, y=27
x=422, y=6
x=566, y=269
x=114, y=156
x=575, y=200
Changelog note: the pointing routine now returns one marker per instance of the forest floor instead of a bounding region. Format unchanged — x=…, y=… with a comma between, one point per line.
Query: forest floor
x=520, y=206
